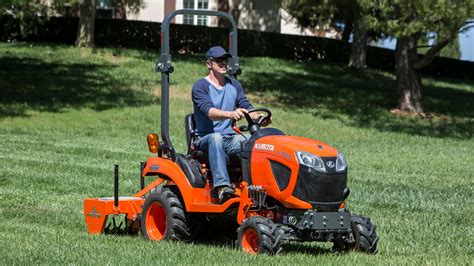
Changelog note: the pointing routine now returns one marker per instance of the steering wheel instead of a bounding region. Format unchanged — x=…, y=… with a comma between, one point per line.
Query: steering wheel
x=253, y=126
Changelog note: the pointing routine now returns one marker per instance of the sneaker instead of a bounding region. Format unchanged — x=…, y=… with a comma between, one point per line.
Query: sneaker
x=225, y=193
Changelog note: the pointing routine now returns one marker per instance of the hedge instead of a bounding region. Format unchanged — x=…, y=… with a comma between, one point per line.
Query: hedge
x=197, y=39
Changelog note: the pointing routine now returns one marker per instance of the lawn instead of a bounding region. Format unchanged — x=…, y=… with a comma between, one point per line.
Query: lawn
x=67, y=115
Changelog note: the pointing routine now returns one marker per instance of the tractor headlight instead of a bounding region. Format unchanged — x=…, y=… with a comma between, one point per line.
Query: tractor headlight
x=341, y=164
x=310, y=160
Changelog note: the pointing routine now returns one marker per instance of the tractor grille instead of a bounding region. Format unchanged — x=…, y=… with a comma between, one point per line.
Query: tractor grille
x=316, y=187
x=281, y=173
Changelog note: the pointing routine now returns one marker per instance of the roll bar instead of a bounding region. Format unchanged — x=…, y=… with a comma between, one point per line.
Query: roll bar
x=165, y=67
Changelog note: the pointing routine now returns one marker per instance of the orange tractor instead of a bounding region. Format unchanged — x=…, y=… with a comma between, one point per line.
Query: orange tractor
x=288, y=188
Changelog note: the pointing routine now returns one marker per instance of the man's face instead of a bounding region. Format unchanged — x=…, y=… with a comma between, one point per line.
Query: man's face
x=218, y=65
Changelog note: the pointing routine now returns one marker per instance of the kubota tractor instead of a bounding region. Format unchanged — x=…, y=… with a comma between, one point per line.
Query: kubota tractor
x=288, y=188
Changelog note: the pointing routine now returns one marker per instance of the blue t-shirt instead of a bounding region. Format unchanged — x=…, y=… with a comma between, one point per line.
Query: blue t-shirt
x=228, y=98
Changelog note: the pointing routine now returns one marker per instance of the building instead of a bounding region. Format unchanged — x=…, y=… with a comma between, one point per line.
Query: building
x=260, y=15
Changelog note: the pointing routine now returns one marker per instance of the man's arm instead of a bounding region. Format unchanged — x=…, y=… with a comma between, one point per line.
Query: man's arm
x=217, y=114
x=204, y=104
x=201, y=98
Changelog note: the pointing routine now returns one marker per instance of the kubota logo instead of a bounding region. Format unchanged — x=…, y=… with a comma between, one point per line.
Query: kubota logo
x=264, y=147
x=330, y=164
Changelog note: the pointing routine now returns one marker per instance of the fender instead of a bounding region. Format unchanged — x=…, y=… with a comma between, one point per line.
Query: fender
x=166, y=169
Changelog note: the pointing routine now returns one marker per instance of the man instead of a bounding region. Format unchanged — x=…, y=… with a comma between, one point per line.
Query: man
x=217, y=100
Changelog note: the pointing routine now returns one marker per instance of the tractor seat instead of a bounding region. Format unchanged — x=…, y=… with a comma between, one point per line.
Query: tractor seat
x=232, y=159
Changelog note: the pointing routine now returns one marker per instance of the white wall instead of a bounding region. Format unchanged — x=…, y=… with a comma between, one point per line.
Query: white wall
x=152, y=11
x=258, y=14
x=290, y=26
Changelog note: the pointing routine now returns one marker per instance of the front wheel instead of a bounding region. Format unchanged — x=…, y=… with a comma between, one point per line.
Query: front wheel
x=259, y=235
x=365, y=236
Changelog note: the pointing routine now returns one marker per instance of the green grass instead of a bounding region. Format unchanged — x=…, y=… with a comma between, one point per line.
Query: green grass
x=66, y=115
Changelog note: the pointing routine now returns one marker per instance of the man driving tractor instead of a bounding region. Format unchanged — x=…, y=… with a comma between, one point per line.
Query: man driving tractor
x=289, y=188
x=217, y=100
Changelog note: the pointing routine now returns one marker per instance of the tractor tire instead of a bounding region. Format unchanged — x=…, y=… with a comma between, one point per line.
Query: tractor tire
x=163, y=216
x=365, y=236
x=259, y=235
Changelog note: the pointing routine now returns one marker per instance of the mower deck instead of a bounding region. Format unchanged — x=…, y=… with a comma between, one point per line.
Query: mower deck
x=96, y=211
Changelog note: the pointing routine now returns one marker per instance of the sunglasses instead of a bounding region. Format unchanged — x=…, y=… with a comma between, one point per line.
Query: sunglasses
x=220, y=60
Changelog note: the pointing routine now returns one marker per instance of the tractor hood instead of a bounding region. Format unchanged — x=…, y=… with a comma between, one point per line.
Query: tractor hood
x=300, y=172
x=287, y=146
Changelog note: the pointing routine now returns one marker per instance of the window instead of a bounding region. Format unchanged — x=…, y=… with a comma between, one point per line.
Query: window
x=188, y=19
x=202, y=4
x=104, y=9
x=199, y=5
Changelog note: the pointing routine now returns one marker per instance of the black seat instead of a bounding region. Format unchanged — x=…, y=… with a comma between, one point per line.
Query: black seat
x=189, y=126
x=191, y=169
x=201, y=156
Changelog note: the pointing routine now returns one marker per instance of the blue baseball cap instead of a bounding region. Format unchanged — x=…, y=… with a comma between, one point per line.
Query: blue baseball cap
x=216, y=52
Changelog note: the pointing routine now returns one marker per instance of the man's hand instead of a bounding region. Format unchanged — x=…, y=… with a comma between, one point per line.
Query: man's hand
x=257, y=116
x=266, y=122
x=238, y=114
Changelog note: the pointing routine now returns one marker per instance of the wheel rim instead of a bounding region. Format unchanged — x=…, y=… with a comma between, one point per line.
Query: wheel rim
x=156, y=221
x=250, y=241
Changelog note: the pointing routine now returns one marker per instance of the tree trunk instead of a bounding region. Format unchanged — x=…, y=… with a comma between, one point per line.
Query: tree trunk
x=85, y=31
x=235, y=11
x=359, y=43
x=348, y=27
x=120, y=11
x=410, y=98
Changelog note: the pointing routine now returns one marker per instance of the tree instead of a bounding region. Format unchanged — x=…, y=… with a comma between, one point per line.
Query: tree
x=452, y=50
x=358, y=55
x=313, y=13
x=30, y=14
x=409, y=21
x=85, y=30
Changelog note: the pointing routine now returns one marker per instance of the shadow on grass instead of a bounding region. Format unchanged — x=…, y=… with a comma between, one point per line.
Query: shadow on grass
x=224, y=234
x=286, y=248
x=32, y=84
x=362, y=99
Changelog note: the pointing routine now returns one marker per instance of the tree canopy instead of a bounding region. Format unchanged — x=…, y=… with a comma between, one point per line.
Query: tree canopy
x=411, y=21
x=31, y=14
x=343, y=15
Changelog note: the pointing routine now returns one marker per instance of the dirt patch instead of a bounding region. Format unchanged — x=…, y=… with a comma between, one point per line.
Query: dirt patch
x=175, y=93
x=424, y=115
x=115, y=59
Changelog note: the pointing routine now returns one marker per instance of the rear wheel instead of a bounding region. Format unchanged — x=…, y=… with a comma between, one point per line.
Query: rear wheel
x=259, y=235
x=365, y=236
x=163, y=217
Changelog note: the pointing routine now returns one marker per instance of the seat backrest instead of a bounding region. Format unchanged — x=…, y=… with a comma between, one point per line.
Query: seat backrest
x=189, y=127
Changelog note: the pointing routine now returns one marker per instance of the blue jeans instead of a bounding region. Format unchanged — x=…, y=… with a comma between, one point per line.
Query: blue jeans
x=217, y=145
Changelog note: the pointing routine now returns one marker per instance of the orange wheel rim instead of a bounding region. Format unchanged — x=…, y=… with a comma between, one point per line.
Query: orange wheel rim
x=250, y=241
x=156, y=221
